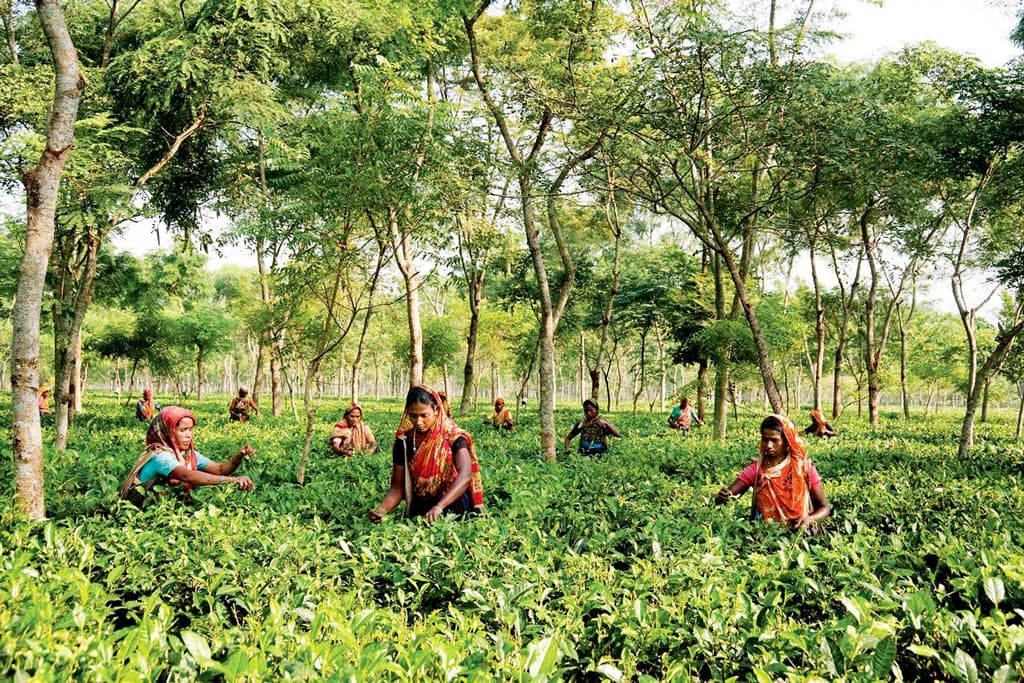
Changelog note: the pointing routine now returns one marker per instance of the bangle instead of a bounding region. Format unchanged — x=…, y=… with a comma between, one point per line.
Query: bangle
x=221, y=479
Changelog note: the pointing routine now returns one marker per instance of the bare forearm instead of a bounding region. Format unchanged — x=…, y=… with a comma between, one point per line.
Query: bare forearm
x=455, y=491
x=391, y=501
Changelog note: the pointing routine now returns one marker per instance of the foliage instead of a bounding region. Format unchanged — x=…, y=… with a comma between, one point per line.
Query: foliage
x=614, y=568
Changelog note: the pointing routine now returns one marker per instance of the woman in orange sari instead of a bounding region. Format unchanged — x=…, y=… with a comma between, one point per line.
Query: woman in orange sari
x=502, y=418
x=351, y=434
x=787, y=488
x=433, y=464
x=820, y=426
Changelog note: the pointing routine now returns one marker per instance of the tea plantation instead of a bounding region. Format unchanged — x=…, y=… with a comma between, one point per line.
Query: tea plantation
x=617, y=568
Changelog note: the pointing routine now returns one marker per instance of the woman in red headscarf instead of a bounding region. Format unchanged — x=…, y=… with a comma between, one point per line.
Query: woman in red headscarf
x=787, y=488
x=171, y=459
x=819, y=425
x=352, y=434
x=433, y=464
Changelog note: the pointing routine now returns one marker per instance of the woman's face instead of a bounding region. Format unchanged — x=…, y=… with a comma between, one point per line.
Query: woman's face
x=354, y=417
x=423, y=416
x=773, y=444
x=182, y=433
x=590, y=412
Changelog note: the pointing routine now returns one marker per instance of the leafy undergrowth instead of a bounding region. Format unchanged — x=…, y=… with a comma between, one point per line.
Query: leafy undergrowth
x=616, y=568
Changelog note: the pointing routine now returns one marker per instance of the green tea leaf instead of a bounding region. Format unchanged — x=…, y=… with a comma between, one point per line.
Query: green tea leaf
x=965, y=666
x=885, y=655
x=994, y=589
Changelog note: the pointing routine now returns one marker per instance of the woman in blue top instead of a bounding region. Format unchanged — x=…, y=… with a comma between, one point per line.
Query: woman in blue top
x=171, y=458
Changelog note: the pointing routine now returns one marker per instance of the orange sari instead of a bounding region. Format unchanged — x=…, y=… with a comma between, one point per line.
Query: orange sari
x=781, y=491
x=432, y=468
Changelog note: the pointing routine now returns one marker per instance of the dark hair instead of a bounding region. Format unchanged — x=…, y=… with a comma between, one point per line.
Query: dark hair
x=591, y=402
x=420, y=395
x=771, y=422
x=242, y=392
x=685, y=402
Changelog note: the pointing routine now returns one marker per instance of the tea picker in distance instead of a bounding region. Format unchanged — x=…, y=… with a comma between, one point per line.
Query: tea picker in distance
x=683, y=416
x=787, y=488
x=820, y=426
x=592, y=430
x=146, y=407
x=241, y=405
x=351, y=434
x=43, y=400
x=433, y=464
x=502, y=418
x=171, y=459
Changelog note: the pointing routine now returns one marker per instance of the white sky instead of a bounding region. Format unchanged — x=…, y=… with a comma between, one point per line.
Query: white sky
x=979, y=27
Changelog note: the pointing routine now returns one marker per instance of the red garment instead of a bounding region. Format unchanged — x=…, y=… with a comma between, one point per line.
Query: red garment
x=433, y=467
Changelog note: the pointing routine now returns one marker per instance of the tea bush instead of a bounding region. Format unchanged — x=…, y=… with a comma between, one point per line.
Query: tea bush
x=615, y=568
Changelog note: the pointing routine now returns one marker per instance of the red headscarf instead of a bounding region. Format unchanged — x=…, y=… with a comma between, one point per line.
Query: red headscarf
x=160, y=437
x=147, y=393
x=782, y=492
x=433, y=467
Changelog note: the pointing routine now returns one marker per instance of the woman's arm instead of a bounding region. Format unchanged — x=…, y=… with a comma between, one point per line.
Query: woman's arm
x=393, y=497
x=464, y=466
x=820, y=509
x=611, y=429
x=733, y=490
x=571, y=435
x=228, y=466
x=201, y=478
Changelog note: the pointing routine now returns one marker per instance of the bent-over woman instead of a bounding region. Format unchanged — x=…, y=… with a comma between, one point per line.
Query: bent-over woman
x=170, y=459
x=433, y=464
x=820, y=426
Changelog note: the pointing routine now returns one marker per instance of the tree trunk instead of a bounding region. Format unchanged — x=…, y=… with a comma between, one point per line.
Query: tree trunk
x=819, y=332
x=401, y=244
x=199, y=376
x=844, y=331
x=1020, y=412
x=611, y=213
x=984, y=400
x=257, y=380
x=987, y=370
x=364, y=333
x=469, y=382
x=41, y=189
x=78, y=376
x=12, y=43
x=702, y=388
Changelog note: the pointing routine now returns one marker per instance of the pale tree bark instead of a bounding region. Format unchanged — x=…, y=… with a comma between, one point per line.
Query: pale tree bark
x=818, y=368
x=968, y=314
x=902, y=320
x=401, y=246
x=848, y=297
x=41, y=189
x=8, y=19
x=611, y=216
x=358, y=360
x=77, y=290
x=524, y=166
x=988, y=369
x=474, y=259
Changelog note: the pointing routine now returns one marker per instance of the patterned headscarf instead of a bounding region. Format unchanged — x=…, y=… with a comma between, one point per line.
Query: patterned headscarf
x=360, y=434
x=782, y=492
x=160, y=437
x=433, y=466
